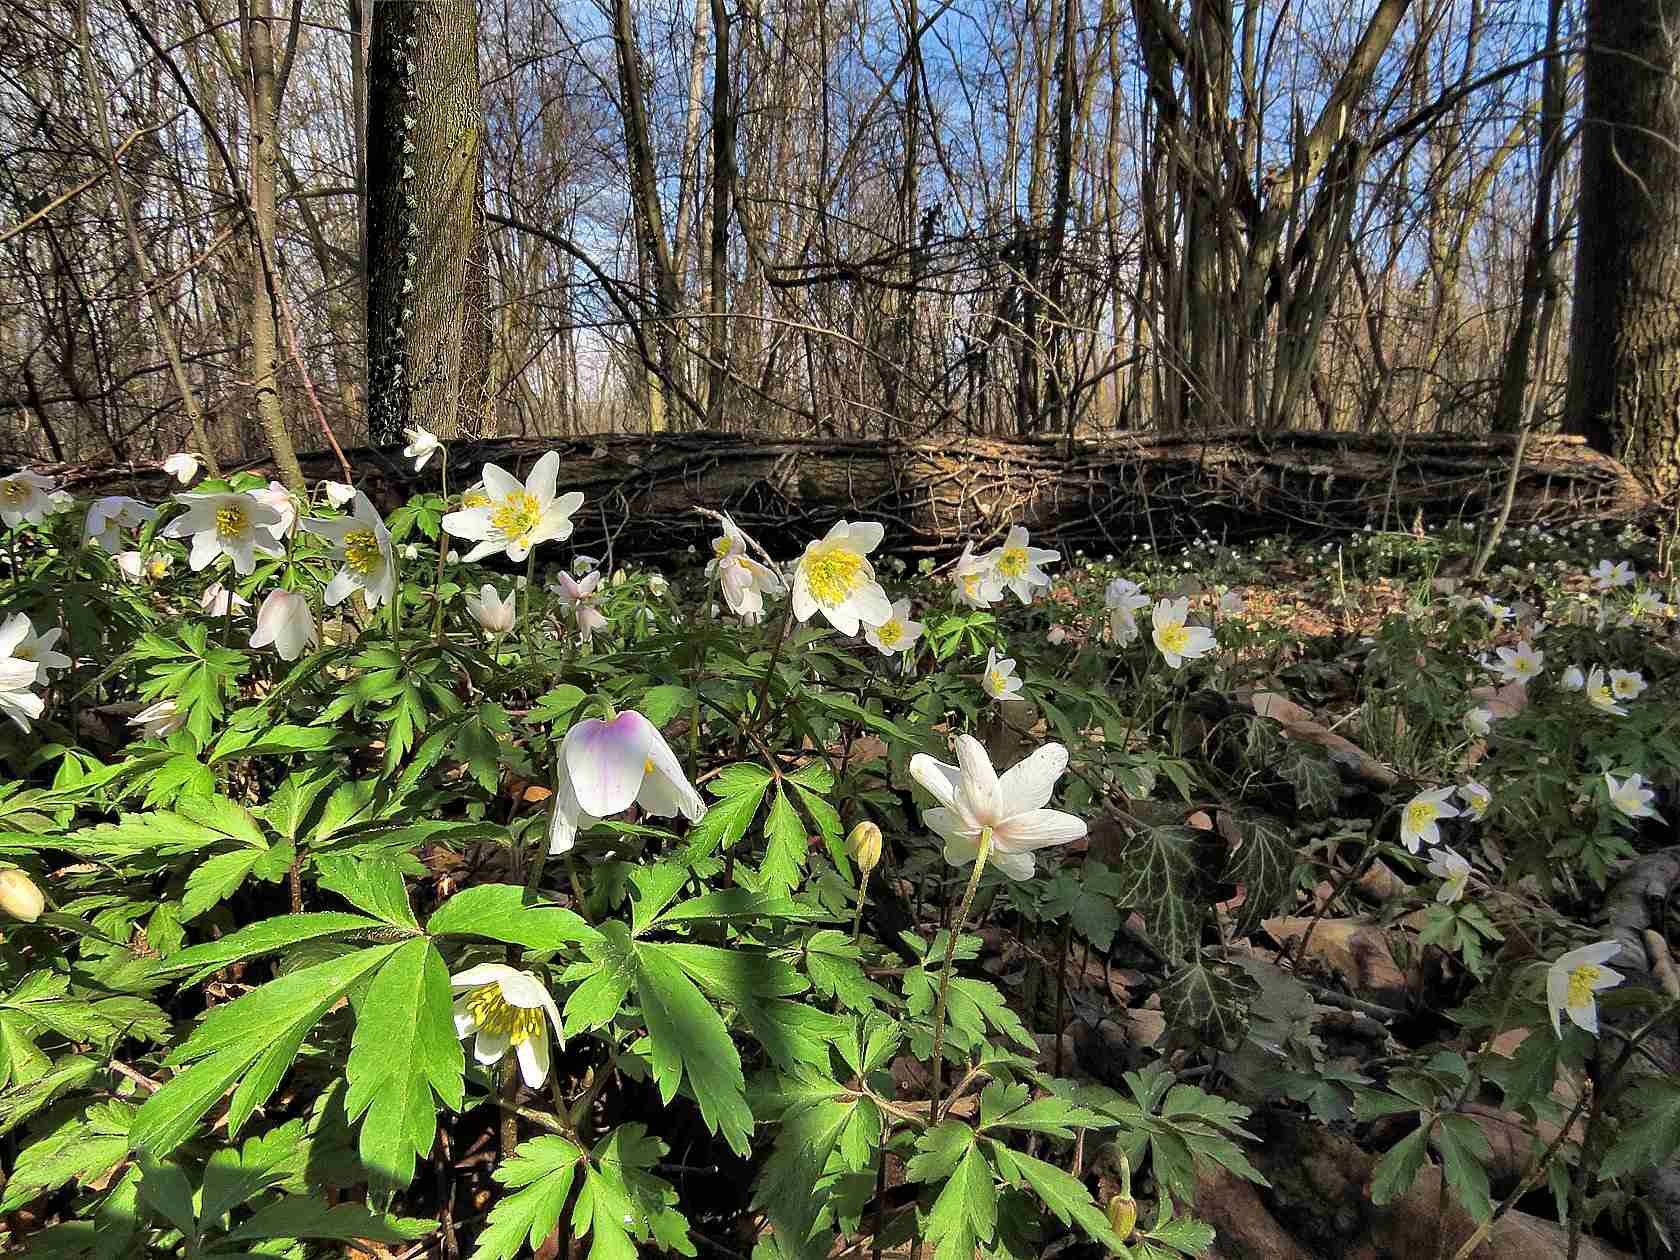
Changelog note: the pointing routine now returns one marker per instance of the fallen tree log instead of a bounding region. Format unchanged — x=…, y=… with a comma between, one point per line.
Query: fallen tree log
x=640, y=491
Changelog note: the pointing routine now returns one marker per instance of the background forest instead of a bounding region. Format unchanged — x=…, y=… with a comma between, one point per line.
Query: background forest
x=998, y=217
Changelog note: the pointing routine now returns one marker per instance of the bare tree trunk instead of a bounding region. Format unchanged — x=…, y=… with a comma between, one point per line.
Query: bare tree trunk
x=723, y=181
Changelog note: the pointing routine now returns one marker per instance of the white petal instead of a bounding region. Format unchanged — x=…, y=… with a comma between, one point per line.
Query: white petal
x=1038, y=829
x=978, y=794
x=1030, y=782
x=540, y=484
x=533, y=1057
x=941, y=780
x=608, y=760
x=484, y=973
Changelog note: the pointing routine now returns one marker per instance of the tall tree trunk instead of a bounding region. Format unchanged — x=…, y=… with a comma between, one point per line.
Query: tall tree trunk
x=428, y=273
x=1624, y=361
x=723, y=180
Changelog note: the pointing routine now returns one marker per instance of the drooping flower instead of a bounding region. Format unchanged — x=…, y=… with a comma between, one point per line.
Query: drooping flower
x=1572, y=980
x=219, y=600
x=745, y=581
x=239, y=526
x=109, y=516
x=136, y=567
x=421, y=447
x=1599, y=695
x=493, y=613
x=338, y=494
x=835, y=577
x=519, y=515
x=1419, y=818
x=605, y=766
x=507, y=1009
x=1476, y=798
x=183, y=466
x=1519, y=664
x=999, y=681
x=1453, y=870
x=364, y=544
x=977, y=581
x=281, y=500
x=897, y=633
x=1177, y=641
x=578, y=595
x=1608, y=577
x=1020, y=567
x=285, y=622
x=1479, y=721
x=974, y=799
x=1630, y=796
x=17, y=701
x=19, y=642
x=25, y=496
x=581, y=564
x=1573, y=679
x=159, y=720
x=1627, y=684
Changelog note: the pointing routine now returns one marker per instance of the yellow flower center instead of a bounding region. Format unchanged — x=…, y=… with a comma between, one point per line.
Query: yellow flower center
x=890, y=631
x=833, y=575
x=157, y=566
x=24, y=652
x=475, y=499
x=232, y=521
x=1622, y=687
x=971, y=584
x=1419, y=814
x=517, y=516
x=1013, y=562
x=361, y=551
x=497, y=1016
x=14, y=492
x=723, y=546
x=1173, y=639
x=1581, y=984
x=1600, y=695
x=999, y=680
x=1625, y=800
x=1522, y=665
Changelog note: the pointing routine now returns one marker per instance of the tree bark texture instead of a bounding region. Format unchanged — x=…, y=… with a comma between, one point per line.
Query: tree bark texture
x=428, y=287
x=1624, y=372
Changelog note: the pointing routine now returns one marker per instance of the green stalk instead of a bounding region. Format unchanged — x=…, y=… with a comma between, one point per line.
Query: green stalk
x=945, y=975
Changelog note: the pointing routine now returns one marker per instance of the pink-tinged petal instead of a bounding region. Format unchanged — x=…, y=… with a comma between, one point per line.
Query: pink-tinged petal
x=607, y=761
x=1031, y=782
x=564, y=815
x=1037, y=829
x=977, y=797
x=942, y=781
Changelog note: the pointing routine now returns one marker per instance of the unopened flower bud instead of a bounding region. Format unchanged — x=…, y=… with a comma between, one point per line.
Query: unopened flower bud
x=1122, y=1208
x=864, y=844
x=20, y=898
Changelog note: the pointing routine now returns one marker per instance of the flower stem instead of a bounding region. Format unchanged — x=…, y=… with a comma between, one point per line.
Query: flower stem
x=857, y=919
x=945, y=975
x=443, y=549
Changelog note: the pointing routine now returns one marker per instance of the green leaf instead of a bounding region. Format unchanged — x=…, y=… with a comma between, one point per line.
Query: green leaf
x=1264, y=863
x=261, y=938
x=1157, y=869
x=164, y=1189
x=965, y=1213
x=660, y=704
x=215, y=879
x=498, y=912
x=1068, y=1200
x=302, y=1216
x=621, y=1200
x=740, y=789
x=1207, y=1002
x=554, y=705
x=78, y=1150
x=1650, y=1140
x=688, y=1038
x=226, y=817
x=1464, y=1154
x=1395, y=1172
x=372, y=884
x=403, y=1051
x=541, y=1172
x=288, y=809
x=786, y=846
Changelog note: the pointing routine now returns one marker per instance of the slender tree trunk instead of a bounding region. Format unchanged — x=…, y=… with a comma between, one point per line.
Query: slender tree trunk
x=428, y=272
x=1624, y=362
x=723, y=179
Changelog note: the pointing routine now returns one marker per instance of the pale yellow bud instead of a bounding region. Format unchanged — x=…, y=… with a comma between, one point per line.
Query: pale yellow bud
x=19, y=897
x=864, y=844
x=1122, y=1208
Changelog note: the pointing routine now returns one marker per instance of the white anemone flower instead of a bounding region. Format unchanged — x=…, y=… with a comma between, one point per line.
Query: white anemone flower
x=1020, y=567
x=1630, y=796
x=493, y=613
x=1599, y=695
x=999, y=681
x=579, y=595
x=1496, y=612
x=1178, y=641
x=285, y=622
x=338, y=494
x=519, y=515
x=280, y=499
x=17, y=701
x=109, y=516
x=974, y=799
x=977, y=581
x=1627, y=684
x=835, y=578
x=1645, y=604
x=25, y=496
x=1572, y=980
x=19, y=642
x=1519, y=664
x=182, y=465
x=421, y=447
x=1419, y=818
x=1453, y=870
x=897, y=633
x=219, y=601
x=744, y=580
x=1125, y=593
x=1573, y=679
x=1608, y=576
x=159, y=720
x=1476, y=798
x=605, y=766
x=1479, y=721
x=364, y=544
x=507, y=1009
x=1123, y=626
x=239, y=526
